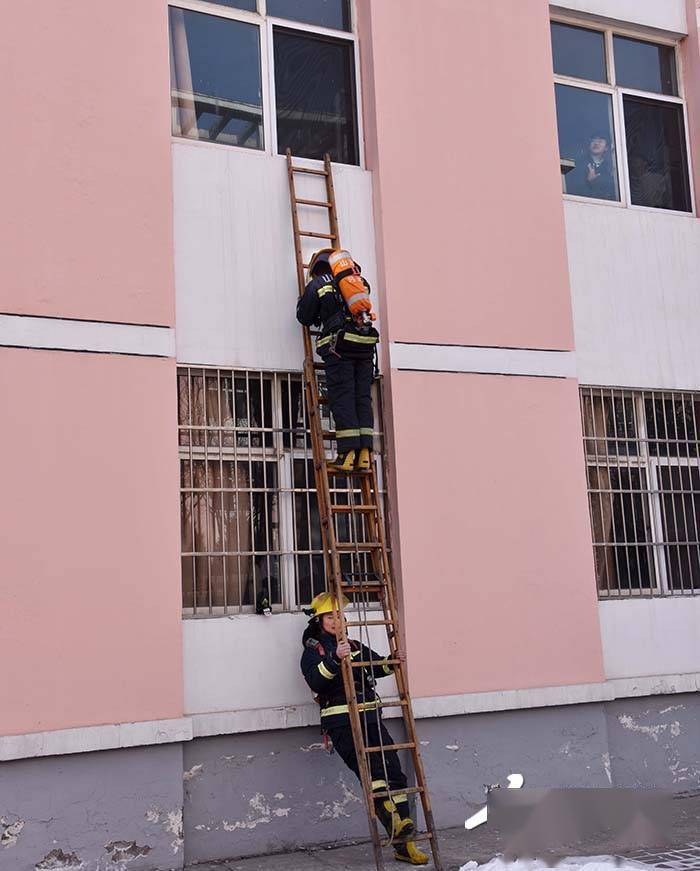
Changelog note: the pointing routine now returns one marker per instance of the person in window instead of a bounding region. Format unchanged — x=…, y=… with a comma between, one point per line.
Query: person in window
x=347, y=346
x=594, y=174
x=321, y=667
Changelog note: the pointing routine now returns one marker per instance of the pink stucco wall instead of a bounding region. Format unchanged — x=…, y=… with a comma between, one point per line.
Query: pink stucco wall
x=497, y=564
x=89, y=565
x=461, y=137
x=86, y=191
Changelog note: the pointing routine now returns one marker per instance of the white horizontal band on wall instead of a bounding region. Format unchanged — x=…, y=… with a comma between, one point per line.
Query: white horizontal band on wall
x=23, y=331
x=482, y=361
x=90, y=738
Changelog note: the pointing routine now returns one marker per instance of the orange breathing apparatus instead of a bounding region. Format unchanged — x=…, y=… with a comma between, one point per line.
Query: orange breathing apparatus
x=353, y=288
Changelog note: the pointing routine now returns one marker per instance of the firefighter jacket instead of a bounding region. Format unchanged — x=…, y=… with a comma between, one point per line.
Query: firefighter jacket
x=321, y=669
x=322, y=304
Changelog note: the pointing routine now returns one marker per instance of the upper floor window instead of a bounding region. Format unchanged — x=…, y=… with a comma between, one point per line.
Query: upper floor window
x=620, y=118
x=245, y=73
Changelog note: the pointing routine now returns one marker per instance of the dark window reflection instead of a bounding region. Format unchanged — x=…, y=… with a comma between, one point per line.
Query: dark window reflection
x=656, y=154
x=621, y=528
x=323, y=13
x=215, y=79
x=645, y=66
x=315, y=89
x=680, y=488
x=586, y=143
x=672, y=425
x=578, y=52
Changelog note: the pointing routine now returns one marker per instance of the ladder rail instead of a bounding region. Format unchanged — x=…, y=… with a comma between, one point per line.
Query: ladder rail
x=372, y=550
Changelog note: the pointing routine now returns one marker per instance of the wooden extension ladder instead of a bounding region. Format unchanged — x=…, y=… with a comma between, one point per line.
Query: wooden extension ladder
x=363, y=521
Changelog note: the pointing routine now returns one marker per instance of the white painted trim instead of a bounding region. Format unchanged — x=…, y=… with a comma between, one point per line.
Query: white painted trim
x=666, y=18
x=122, y=735
x=24, y=331
x=485, y=361
x=89, y=738
x=254, y=720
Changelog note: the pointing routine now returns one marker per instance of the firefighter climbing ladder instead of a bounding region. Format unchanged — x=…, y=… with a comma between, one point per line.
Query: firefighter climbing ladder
x=371, y=550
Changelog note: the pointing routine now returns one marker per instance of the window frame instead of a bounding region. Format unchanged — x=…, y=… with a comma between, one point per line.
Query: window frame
x=266, y=25
x=617, y=93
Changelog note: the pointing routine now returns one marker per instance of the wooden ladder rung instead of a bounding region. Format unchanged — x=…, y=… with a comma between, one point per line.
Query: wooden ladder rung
x=393, y=703
x=308, y=170
x=354, y=546
x=315, y=235
x=409, y=745
x=359, y=663
x=409, y=790
x=422, y=836
x=369, y=622
x=350, y=509
x=365, y=588
x=319, y=203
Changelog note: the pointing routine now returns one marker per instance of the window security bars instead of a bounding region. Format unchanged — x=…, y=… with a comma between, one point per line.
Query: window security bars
x=249, y=513
x=642, y=452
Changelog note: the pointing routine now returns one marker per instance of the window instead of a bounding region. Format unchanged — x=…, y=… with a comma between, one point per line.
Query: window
x=224, y=64
x=643, y=464
x=319, y=119
x=216, y=88
x=249, y=513
x=620, y=118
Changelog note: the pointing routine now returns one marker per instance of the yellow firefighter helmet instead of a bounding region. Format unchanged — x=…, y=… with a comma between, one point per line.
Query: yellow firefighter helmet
x=325, y=603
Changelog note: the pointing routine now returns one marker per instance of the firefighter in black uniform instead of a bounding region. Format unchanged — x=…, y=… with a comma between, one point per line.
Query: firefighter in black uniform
x=346, y=346
x=320, y=664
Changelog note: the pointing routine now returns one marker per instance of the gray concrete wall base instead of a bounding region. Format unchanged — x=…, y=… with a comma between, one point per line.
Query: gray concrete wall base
x=116, y=810
x=254, y=793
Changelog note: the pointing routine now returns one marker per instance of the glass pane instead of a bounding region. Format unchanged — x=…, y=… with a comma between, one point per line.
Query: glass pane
x=216, y=91
x=656, y=154
x=645, y=66
x=315, y=88
x=579, y=52
x=250, y=5
x=323, y=13
x=680, y=488
x=586, y=143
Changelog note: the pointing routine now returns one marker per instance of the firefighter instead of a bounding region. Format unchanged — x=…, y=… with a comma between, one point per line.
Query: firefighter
x=347, y=346
x=320, y=664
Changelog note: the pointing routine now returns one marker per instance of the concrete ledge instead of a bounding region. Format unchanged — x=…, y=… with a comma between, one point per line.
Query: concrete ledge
x=254, y=720
x=88, y=738
x=110, y=737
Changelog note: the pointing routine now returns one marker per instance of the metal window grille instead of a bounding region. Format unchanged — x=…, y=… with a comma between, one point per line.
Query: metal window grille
x=249, y=512
x=642, y=453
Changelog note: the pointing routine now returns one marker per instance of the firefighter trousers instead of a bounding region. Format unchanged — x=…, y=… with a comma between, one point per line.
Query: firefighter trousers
x=349, y=383
x=383, y=773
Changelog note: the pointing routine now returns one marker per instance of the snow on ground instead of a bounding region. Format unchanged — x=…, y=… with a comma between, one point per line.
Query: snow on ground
x=571, y=863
